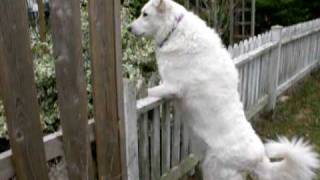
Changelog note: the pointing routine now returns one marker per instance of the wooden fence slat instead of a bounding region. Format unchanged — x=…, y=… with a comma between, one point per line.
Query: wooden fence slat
x=131, y=130
x=180, y=170
x=42, y=21
x=165, y=137
x=155, y=144
x=71, y=85
x=245, y=85
x=175, y=152
x=144, y=160
x=184, y=139
x=19, y=96
x=107, y=87
x=274, y=67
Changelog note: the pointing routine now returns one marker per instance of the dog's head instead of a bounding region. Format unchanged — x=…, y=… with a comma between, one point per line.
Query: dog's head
x=154, y=15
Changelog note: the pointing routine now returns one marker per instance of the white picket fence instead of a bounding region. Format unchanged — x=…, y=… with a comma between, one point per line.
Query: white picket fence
x=268, y=64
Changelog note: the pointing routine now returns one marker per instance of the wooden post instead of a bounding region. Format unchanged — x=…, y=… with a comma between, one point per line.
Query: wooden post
x=253, y=17
x=19, y=95
x=71, y=85
x=231, y=24
x=105, y=35
x=131, y=137
x=243, y=20
x=215, y=16
x=42, y=22
x=186, y=4
x=274, y=66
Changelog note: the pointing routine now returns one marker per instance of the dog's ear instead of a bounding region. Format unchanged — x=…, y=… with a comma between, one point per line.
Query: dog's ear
x=161, y=5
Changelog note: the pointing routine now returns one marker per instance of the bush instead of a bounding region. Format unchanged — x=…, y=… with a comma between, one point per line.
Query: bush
x=138, y=64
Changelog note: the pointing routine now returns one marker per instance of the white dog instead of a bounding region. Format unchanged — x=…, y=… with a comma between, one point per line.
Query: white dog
x=197, y=69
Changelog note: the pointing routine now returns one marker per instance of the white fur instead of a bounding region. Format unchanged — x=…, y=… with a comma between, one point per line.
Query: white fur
x=196, y=68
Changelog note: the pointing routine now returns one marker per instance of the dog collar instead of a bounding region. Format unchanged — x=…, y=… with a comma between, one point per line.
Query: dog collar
x=178, y=20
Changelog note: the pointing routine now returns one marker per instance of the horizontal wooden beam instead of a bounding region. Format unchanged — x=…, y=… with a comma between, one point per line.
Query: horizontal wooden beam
x=182, y=169
x=284, y=86
x=252, y=55
x=297, y=37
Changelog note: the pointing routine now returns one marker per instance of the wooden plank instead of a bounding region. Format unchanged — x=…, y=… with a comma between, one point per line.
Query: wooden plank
x=253, y=16
x=184, y=139
x=107, y=87
x=244, y=58
x=155, y=144
x=291, y=81
x=71, y=85
x=175, y=151
x=53, y=149
x=183, y=168
x=165, y=138
x=19, y=96
x=243, y=18
x=254, y=110
x=186, y=4
x=245, y=85
x=250, y=83
x=146, y=104
x=144, y=160
x=131, y=136
x=42, y=21
x=299, y=36
x=274, y=67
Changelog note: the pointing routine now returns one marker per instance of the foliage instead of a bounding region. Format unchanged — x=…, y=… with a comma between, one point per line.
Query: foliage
x=138, y=64
x=284, y=12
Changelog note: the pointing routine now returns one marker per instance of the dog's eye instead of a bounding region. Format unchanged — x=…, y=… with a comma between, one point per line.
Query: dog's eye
x=145, y=14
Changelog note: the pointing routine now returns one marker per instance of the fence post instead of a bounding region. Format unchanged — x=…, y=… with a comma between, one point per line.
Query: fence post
x=19, y=95
x=105, y=32
x=42, y=21
x=131, y=131
x=274, y=66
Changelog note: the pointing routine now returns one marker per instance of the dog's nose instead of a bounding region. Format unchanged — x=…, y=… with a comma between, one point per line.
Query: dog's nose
x=130, y=29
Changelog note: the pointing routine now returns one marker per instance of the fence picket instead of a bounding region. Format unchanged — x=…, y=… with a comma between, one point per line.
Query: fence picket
x=71, y=85
x=165, y=138
x=144, y=158
x=107, y=87
x=155, y=144
x=19, y=96
x=131, y=130
x=176, y=135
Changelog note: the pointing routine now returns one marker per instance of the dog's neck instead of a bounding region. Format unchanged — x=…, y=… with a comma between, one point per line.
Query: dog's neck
x=161, y=41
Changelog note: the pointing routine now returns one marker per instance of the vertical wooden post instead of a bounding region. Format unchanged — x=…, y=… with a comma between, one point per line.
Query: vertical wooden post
x=19, y=95
x=243, y=20
x=105, y=35
x=253, y=17
x=197, y=7
x=131, y=136
x=215, y=15
x=274, y=66
x=186, y=4
x=71, y=85
x=42, y=22
x=231, y=22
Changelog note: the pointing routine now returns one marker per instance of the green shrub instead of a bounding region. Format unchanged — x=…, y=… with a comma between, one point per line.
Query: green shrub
x=138, y=64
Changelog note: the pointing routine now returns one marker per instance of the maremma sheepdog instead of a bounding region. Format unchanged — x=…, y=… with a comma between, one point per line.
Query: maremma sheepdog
x=197, y=69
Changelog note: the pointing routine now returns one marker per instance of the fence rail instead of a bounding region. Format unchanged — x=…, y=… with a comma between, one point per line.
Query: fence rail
x=147, y=138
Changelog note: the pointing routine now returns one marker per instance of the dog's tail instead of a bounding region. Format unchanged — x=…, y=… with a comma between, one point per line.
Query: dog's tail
x=292, y=160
